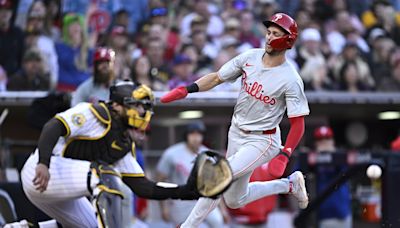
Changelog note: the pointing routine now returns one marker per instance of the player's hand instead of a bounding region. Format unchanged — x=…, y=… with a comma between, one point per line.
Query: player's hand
x=277, y=165
x=175, y=94
x=42, y=177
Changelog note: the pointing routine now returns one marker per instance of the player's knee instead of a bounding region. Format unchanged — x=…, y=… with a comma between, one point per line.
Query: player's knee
x=106, y=175
x=232, y=203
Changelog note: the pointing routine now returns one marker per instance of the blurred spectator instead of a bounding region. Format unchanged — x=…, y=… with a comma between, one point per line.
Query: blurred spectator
x=345, y=28
x=255, y=214
x=248, y=30
x=383, y=15
x=96, y=88
x=53, y=18
x=392, y=84
x=159, y=15
x=380, y=64
x=232, y=35
x=138, y=11
x=190, y=51
x=351, y=54
x=74, y=54
x=183, y=72
x=215, y=25
x=160, y=72
x=175, y=165
x=119, y=42
x=38, y=36
x=141, y=71
x=169, y=38
x=309, y=57
x=11, y=40
x=207, y=51
x=335, y=211
x=121, y=18
x=350, y=80
x=32, y=76
x=303, y=19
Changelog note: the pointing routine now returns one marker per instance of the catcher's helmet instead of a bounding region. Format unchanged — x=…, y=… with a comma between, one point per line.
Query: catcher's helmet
x=286, y=23
x=129, y=94
x=104, y=54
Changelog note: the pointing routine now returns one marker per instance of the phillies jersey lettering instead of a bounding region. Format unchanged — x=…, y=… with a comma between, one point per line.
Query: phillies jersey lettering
x=266, y=92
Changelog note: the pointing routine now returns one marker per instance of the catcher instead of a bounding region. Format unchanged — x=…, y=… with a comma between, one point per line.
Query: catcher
x=87, y=151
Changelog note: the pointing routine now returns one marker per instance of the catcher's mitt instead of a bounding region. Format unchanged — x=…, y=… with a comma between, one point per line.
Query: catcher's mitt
x=211, y=174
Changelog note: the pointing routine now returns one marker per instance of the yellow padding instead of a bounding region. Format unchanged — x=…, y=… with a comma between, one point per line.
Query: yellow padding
x=132, y=174
x=113, y=191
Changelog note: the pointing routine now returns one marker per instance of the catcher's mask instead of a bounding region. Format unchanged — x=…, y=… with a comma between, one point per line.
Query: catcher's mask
x=212, y=174
x=131, y=95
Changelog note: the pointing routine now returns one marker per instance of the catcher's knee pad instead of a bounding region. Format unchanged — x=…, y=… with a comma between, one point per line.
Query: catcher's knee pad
x=107, y=195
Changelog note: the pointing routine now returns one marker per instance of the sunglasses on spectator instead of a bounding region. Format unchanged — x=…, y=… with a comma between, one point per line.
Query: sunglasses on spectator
x=158, y=12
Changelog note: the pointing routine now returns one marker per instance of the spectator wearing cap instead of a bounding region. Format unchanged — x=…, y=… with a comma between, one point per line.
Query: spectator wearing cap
x=96, y=88
x=335, y=211
x=311, y=61
x=11, y=38
x=159, y=15
x=74, y=53
x=182, y=68
x=215, y=25
x=32, y=76
x=37, y=35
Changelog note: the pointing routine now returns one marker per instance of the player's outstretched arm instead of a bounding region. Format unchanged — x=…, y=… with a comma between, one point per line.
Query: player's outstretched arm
x=204, y=83
x=148, y=189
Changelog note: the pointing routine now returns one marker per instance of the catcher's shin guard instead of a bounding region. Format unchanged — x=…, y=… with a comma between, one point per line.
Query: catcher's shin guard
x=107, y=196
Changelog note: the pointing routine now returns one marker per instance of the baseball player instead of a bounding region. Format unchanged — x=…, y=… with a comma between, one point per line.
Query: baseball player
x=175, y=165
x=269, y=86
x=61, y=173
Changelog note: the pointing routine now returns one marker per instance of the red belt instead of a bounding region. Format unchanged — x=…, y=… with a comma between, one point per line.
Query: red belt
x=266, y=132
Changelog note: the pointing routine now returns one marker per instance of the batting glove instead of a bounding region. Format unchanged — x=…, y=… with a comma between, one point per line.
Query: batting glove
x=277, y=165
x=175, y=94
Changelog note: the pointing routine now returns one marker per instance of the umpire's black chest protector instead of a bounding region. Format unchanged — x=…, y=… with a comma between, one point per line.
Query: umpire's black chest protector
x=114, y=145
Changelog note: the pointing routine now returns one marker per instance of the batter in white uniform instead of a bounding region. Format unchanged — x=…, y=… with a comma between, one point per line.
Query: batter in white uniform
x=73, y=156
x=270, y=85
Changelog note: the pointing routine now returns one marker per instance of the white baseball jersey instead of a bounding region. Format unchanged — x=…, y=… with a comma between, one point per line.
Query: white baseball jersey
x=88, y=132
x=265, y=92
x=176, y=163
x=84, y=122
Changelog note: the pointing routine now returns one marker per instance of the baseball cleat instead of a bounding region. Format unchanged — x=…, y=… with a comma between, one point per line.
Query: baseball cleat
x=297, y=187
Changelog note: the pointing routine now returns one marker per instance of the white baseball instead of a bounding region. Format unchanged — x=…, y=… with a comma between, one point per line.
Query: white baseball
x=374, y=171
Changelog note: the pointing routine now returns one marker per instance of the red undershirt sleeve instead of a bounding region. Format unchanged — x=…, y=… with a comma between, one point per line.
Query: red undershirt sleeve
x=295, y=133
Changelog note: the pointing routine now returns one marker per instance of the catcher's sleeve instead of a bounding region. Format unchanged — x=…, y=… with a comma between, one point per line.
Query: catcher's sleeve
x=52, y=130
x=145, y=188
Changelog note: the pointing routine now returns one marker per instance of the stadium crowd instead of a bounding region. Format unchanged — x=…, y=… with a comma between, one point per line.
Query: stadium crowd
x=344, y=45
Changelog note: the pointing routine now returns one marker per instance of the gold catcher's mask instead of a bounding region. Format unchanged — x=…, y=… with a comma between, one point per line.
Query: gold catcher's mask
x=131, y=96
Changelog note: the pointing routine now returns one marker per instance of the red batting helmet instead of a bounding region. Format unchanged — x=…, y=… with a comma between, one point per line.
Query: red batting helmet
x=104, y=54
x=286, y=23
